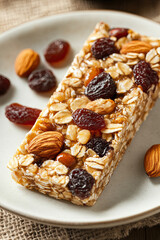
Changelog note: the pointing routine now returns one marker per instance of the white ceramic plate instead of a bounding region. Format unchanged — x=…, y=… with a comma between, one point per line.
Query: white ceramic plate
x=130, y=195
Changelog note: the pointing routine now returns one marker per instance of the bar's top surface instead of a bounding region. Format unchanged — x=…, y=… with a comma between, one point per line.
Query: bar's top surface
x=107, y=90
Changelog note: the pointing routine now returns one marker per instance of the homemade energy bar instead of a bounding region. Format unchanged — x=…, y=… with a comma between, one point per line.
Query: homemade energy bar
x=79, y=138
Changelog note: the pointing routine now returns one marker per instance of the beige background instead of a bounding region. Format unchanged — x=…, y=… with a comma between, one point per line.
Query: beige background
x=16, y=12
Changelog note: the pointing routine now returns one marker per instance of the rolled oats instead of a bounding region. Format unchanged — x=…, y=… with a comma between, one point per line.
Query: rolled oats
x=102, y=106
x=72, y=132
x=63, y=117
x=124, y=85
x=79, y=103
x=122, y=117
x=76, y=149
x=56, y=107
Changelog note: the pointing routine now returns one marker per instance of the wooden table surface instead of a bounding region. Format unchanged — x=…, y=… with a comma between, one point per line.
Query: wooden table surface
x=149, y=9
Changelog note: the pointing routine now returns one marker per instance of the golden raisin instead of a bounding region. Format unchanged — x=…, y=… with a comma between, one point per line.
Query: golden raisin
x=92, y=73
x=67, y=159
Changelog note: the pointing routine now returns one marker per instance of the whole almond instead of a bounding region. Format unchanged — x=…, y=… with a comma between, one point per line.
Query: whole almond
x=47, y=144
x=26, y=62
x=152, y=161
x=136, y=47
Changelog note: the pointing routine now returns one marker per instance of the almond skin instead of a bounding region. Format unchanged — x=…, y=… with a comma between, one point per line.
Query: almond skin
x=152, y=161
x=136, y=47
x=46, y=145
x=26, y=62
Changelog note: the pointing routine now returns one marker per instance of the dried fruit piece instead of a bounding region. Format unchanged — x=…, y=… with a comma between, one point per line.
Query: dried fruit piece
x=136, y=47
x=20, y=114
x=144, y=75
x=42, y=80
x=103, y=47
x=118, y=32
x=88, y=119
x=4, y=84
x=26, y=62
x=152, y=161
x=46, y=145
x=56, y=51
x=80, y=183
x=102, y=86
x=92, y=73
x=67, y=159
x=99, y=145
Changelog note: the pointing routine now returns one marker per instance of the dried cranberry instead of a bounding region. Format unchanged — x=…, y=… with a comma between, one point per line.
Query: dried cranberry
x=87, y=119
x=103, y=47
x=118, y=32
x=20, y=114
x=42, y=80
x=102, y=86
x=99, y=145
x=144, y=75
x=4, y=84
x=56, y=51
x=80, y=183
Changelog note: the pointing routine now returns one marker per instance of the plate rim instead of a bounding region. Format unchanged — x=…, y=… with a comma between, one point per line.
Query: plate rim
x=88, y=225
x=60, y=223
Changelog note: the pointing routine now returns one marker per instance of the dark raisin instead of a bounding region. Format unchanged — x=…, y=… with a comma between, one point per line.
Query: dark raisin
x=102, y=86
x=99, y=145
x=20, y=114
x=80, y=183
x=4, y=84
x=144, y=75
x=57, y=51
x=87, y=119
x=42, y=80
x=118, y=32
x=103, y=47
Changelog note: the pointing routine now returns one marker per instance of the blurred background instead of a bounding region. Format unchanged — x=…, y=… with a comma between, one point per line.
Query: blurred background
x=14, y=12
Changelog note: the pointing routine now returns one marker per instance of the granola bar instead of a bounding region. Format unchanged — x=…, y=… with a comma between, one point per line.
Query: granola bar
x=126, y=92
